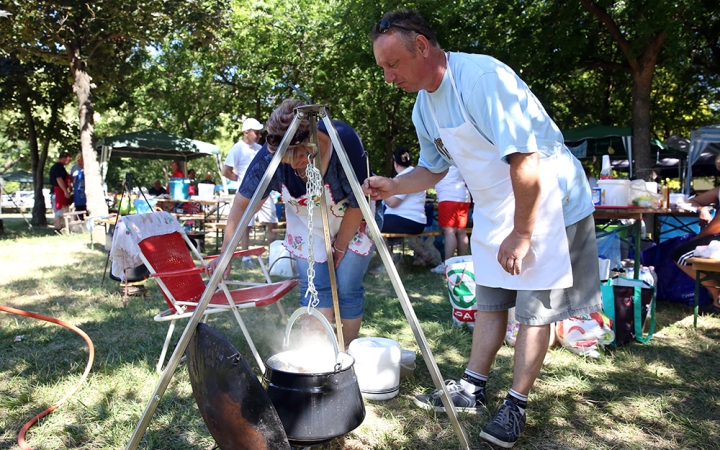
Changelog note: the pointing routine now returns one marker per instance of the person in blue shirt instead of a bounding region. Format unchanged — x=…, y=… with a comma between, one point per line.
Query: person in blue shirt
x=351, y=246
x=533, y=240
x=78, y=174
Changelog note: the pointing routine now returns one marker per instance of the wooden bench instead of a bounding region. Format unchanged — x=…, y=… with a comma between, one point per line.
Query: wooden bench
x=423, y=234
x=705, y=270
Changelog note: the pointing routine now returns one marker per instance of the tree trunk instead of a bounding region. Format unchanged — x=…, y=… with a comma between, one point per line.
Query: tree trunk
x=37, y=161
x=94, y=190
x=642, y=87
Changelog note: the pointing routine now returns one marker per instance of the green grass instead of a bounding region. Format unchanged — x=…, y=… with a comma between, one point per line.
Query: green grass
x=664, y=395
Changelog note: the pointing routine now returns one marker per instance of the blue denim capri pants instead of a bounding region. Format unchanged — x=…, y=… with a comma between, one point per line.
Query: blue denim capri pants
x=349, y=276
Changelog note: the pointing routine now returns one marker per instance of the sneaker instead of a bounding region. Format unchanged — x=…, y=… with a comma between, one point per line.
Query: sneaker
x=377, y=270
x=463, y=401
x=440, y=268
x=505, y=428
x=247, y=262
x=712, y=311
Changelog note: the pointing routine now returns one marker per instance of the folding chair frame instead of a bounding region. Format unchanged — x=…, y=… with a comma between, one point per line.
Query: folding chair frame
x=184, y=309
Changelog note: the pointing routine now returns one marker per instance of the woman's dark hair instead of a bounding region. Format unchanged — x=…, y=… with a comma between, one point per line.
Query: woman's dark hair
x=402, y=157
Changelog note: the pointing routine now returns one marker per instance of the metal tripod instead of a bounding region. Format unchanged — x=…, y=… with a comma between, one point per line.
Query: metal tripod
x=311, y=112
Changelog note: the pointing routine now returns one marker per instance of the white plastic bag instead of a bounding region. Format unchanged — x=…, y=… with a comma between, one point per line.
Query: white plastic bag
x=587, y=334
x=281, y=261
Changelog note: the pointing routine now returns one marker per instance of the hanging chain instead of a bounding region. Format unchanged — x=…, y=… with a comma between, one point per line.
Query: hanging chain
x=313, y=190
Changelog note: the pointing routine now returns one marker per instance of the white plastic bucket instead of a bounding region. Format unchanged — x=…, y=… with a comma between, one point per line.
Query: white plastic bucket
x=377, y=366
x=205, y=191
x=614, y=192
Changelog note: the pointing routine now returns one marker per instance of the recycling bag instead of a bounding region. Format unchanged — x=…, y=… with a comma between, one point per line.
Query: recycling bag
x=461, y=289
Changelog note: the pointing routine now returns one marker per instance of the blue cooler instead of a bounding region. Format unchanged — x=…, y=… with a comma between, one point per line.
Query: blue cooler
x=144, y=207
x=179, y=188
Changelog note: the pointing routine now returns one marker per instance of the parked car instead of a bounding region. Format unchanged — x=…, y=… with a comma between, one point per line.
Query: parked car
x=24, y=199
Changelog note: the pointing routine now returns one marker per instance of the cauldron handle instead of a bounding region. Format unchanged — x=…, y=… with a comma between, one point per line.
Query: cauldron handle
x=313, y=312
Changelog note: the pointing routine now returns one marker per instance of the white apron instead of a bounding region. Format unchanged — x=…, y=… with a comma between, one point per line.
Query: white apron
x=547, y=264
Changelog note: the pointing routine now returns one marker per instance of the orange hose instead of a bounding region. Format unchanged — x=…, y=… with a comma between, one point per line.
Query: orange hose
x=21, y=435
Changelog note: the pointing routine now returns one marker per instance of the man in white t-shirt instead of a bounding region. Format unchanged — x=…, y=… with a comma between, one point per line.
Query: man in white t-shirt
x=533, y=240
x=238, y=159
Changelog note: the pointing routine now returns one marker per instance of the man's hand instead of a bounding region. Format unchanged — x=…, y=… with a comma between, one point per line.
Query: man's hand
x=512, y=251
x=67, y=193
x=379, y=188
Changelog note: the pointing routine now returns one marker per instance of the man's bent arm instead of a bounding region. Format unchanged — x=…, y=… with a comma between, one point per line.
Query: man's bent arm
x=525, y=177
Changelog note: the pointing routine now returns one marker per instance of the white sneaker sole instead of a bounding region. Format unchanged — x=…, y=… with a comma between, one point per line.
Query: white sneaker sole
x=496, y=441
x=430, y=407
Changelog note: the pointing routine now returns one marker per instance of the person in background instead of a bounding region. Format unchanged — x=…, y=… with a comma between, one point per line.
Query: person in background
x=78, y=176
x=236, y=164
x=453, y=208
x=192, y=189
x=61, y=182
x=208, y=179
x=475, y=113
x=710, y=231
x=351, y=246
x=157, y=189
x=405, y=213
x=175, y=169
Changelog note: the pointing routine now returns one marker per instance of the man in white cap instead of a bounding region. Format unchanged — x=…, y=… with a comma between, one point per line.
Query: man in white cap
x=236, y=163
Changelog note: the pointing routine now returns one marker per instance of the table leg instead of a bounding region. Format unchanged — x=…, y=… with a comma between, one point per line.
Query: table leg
x=698, y=274
x=638, y=230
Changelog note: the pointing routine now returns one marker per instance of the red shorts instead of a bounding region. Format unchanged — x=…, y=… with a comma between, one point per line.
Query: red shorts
x=453, y=214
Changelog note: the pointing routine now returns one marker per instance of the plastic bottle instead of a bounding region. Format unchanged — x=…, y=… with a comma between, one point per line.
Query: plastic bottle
x=606, y=171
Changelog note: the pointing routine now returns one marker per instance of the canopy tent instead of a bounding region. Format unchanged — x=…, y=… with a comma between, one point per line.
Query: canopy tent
x=702, y=140
x=19, y=176
x=155, y=144
x=152, y=144
x=598, y=140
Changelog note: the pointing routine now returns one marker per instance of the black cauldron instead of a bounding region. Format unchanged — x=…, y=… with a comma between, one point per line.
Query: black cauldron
x=298, y=409
x=316, y=407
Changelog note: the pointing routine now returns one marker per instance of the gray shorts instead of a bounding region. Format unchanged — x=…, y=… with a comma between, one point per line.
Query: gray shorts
x=544, y=307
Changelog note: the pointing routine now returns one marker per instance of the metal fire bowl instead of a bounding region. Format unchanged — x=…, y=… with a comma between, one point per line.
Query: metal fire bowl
x=233, y=403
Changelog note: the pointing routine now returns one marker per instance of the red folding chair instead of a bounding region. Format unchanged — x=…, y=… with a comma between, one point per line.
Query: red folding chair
x=157, y=240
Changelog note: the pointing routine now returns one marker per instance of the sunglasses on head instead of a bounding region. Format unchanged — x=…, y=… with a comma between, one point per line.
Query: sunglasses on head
x=274, y=140
x=384, y=26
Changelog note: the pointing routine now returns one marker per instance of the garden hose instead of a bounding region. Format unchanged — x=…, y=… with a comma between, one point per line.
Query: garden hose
x=91, y=349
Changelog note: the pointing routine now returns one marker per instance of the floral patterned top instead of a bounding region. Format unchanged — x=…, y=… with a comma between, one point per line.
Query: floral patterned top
x=338, y=194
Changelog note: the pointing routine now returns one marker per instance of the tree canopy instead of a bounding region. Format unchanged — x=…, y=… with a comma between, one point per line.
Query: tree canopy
x=198, y=68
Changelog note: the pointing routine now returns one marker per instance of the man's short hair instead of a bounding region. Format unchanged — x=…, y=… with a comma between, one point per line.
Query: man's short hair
x=407, y=24
x=64, y=155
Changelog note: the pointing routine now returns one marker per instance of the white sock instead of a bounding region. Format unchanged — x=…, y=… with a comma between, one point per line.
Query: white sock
x=523, y=399
x=473, y=382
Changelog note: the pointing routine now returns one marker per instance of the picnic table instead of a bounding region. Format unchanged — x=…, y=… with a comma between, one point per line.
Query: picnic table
x=636, y=213
x=208, y=210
